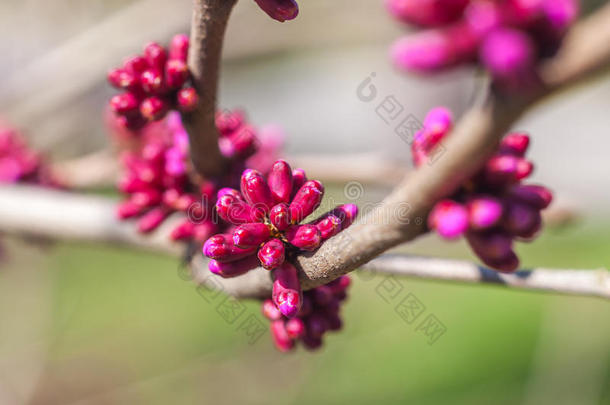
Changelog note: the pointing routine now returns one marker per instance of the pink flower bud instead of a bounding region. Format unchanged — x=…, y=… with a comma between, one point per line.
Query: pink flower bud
x=306, y=307
x=155, y=55
x=306, y=200
x=306, y=237
x=322, y=295
x=508, y=54
x=154, y=108
x=122, y=79
x=179, y=47
x=240, y=144
x=515, y=143
x=146, y=198
x=130, y=184
x=221, y=248
x=537, y=196
x=311, y=342
x=233, y=269
x=521, y=220
x=504, y=169
x=328, y=226
x=483, y=17
x=280, y=10
x=438, y=120
x=152, y=81
x=298, y=179
x=426, y=12
x=270, y=311
x=287, y=294
x=271, y=254
x=484, y=212
x=346, y=213
x=560, y=13
x=251, y=235
x=491, y=245
x=316, y=325
x=334, y=321
x=176, y=73
x=204, y=230
x=280, y=181
x=255, y=190
x=128, y=209
x=281, y=339
x=236, y=211
x=187, y=99
x=228, y=122
x=295, y=328
x=280, y=216
x=152, y=219
x=125, y=103
x=449, y=218
x=135, y=65
x=340, y=284
x=132, y=122
x=183, y=231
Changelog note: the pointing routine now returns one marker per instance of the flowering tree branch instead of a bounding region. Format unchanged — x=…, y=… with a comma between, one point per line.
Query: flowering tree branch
x=34, y=211
x=207, y=32
x=402, y=215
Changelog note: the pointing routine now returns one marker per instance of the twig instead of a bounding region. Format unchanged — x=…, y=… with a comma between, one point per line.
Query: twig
x=32, y=211
x=208, y=26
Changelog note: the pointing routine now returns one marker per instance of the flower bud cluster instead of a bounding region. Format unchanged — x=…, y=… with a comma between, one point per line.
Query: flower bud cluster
x=21, y=164
x=158, y=178
x=153, y=84
x=494, y=207
x=506, y=37
x=319, y=313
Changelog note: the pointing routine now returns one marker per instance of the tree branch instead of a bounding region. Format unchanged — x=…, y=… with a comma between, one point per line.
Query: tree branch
x=208, y=26
x=33, y=211
x=401, y=216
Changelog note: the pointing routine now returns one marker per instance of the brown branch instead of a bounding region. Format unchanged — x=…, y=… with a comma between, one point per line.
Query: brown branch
x=400, y=217
x=33, y=211
x=208, y=26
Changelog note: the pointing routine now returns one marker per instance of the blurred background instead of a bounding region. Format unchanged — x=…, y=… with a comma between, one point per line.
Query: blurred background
x=97, y=325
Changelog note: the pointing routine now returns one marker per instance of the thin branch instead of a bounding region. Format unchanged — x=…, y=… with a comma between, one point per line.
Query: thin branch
x=401, y=216
x=208, y=27
x=32, y=211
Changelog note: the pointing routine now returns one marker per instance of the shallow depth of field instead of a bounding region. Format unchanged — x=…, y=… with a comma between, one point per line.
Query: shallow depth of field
x=89, y=324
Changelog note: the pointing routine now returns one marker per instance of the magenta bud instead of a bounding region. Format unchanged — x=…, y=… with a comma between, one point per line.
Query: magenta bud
x=228, y=122
x=242, y=143
x=287, y=294
x=311, y=342
x=132, y=122
x=490, y=245
x=125, y=103
x=508, y=54
x=537, y=196
x=507, y=264
x=334, y=322
x=121, y=79
x=426, y=51
x=449, y=219
x=316, y=325
x=233, y=269
x=281, y=339
x=280, y=181
x=426, y=12
x=515, y=143
x=438, y=120
x=179, y=47
x=236, y=211
x=229, y=191
x=522, y=220
x=484, y=212
x=328, y=226
x=270, y=311
x=280, y=10
x=255, y=190
x=204, y=230
x=271, y=254
x=221, y=248
x=322, y=295
x=280, y=217
x=135, y=65
x=295, y=328
x=340, y=284
x=306, y=237
x=306, y=200
x=152, y=219
x=155, y=55
x=346, y=213
x=503, y=169
x=298, y=179
x=128, y=209
x=306, y=306
x=152, y=81
x=146, y=198
x=183, y=231
x=251, y=235
x=154, y=108
x=187, y=99
x=176, y=73
x=483, y=17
